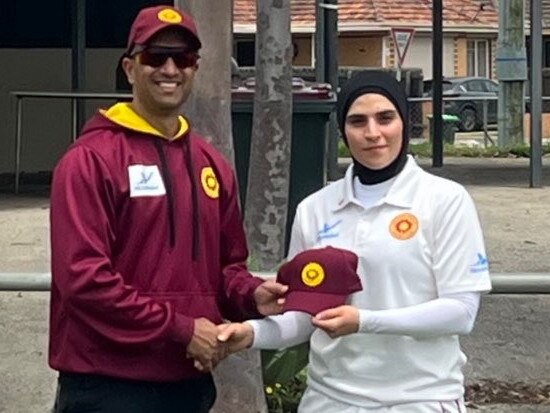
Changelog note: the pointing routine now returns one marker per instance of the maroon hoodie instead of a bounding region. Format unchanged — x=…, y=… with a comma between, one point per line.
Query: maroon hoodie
x=146, y=236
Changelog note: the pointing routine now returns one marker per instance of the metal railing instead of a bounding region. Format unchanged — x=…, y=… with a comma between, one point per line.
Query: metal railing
x=511, y=283
x=74, y=97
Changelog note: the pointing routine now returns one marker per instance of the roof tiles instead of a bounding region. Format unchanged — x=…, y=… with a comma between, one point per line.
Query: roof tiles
x=382, y=12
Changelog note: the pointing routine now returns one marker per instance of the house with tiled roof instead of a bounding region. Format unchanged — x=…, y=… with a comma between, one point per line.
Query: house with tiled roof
x=470, y=29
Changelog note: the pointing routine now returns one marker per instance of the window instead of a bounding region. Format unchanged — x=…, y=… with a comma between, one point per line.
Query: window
x=474, y=86
x=246, y=52
x=478, y=58
x=39, y=23
x=491, y=87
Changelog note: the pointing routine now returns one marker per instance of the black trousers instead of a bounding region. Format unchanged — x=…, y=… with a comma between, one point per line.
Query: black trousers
x=85, y=393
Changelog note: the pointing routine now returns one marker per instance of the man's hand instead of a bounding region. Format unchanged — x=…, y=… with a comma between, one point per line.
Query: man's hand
x=338, y=321
x=269, y=297
x=236, y=336
x=204, y=346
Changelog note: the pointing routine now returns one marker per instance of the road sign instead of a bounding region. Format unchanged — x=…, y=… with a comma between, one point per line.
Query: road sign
x=402, y=37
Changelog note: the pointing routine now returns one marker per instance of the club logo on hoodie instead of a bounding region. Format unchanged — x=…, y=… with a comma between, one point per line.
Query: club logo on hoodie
x=210, y=183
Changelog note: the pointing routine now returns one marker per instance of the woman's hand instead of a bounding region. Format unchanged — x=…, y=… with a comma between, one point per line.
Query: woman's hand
x=338, y=321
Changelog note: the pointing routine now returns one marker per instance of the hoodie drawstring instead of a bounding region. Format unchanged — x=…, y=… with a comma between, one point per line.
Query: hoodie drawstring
x=194, y=196
x=169, y=191
x=170, y=194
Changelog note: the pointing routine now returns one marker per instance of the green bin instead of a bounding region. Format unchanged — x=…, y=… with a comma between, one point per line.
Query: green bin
x=450, y=126
x=310, y=116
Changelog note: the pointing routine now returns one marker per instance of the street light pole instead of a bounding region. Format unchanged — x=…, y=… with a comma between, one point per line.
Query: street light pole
x=437, y=83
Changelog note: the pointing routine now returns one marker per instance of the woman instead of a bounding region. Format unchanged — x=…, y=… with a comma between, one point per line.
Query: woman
x=394, y=347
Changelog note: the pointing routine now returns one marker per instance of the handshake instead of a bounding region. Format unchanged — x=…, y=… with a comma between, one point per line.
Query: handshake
x=210, y=344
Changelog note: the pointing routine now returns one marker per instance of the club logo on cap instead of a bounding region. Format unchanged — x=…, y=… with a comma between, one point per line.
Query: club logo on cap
x=313, y=274
x=169, y=16
x=210, y=183
x=404, y=226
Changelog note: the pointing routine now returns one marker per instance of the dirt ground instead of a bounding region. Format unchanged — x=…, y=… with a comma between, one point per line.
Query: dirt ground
x=510, y=341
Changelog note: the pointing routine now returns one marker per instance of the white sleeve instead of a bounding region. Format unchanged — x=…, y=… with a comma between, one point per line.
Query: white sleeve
x=449, y=314
x=459, y=261
x=281, y=331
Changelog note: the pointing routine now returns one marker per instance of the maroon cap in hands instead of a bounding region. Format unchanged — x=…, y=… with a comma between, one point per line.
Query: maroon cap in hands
x=319, y=279
x=151, y=20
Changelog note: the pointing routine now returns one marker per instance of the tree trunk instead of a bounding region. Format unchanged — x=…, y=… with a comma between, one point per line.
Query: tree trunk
x=269, y=171
x=209, y=106
x=239, y=377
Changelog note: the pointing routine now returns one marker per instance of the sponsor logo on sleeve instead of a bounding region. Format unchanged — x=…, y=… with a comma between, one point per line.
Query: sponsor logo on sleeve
x=481, y=265
x=145, y=180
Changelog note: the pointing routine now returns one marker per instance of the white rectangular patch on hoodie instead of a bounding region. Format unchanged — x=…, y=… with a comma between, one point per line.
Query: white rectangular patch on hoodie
x=145, y=180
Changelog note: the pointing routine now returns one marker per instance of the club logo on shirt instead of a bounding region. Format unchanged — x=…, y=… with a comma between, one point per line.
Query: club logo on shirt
x=313, y=274
x=169, y=16
x=404, y=226
x=210, y=183
x=145, y=180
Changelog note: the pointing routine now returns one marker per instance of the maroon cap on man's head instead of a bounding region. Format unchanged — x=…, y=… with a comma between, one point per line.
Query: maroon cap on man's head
x=151, y=20
x=319, y=279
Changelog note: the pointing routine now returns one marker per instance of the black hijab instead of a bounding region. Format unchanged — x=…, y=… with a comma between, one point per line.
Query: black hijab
x=370, y=81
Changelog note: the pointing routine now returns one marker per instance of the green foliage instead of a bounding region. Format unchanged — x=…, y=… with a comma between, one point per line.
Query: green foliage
x=424, y=150
x=281, y=366
x=285, y=398
x=284, y=375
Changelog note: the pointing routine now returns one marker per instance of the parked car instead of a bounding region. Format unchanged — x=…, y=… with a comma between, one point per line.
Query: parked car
x=469, y=111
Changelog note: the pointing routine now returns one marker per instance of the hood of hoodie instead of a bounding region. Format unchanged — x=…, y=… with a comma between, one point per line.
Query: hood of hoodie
x=122, y=115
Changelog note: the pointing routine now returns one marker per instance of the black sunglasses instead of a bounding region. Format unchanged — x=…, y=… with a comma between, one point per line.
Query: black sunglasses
x=156, y=56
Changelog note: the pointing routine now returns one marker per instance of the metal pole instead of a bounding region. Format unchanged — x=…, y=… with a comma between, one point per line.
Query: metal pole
x=485, y=133
x=74, y=119
x=18, y=116
x=319, y=41
x=331, y=75
x=78, y=70
x=535, y=179
x=25, y=281
x=437, y=83
x=512, y=283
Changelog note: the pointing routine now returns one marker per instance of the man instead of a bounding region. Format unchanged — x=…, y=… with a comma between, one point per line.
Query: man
x=148, y=248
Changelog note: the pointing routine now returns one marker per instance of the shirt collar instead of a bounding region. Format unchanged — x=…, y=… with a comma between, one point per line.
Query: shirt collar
x=401, y=193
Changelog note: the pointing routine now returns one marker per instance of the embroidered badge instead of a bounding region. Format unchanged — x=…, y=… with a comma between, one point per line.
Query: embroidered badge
x=210, y=183
x=169, y=16
x=404, y=226
x=145, y=180
x=313, y=274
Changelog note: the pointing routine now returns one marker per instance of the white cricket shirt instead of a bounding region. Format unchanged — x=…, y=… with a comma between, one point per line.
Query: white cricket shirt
x=421, y=240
